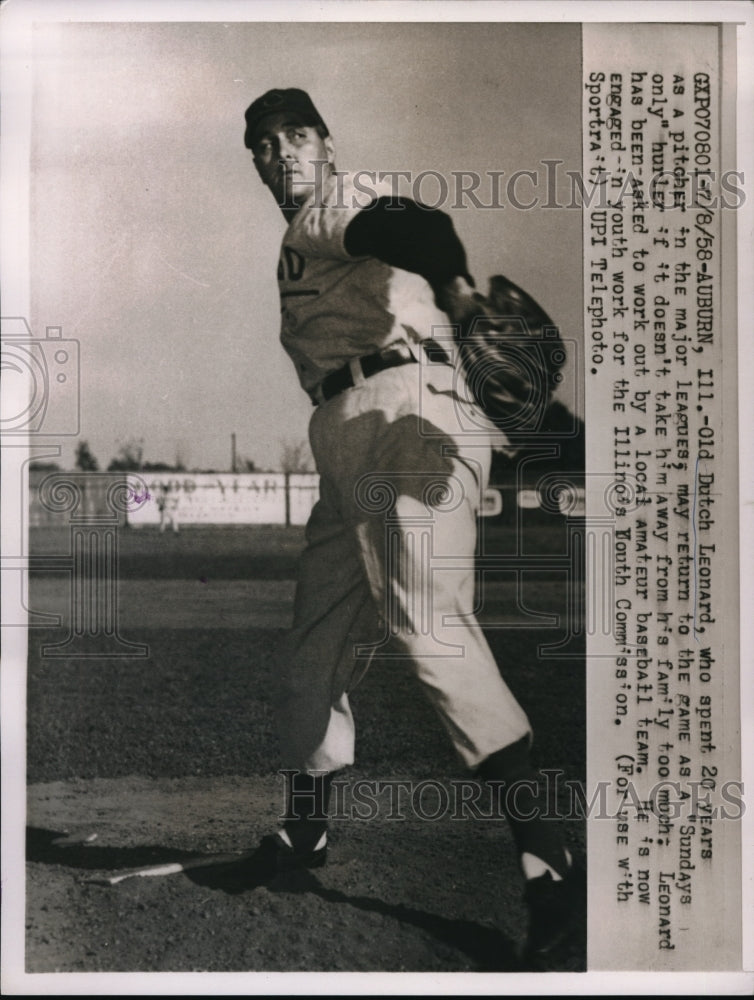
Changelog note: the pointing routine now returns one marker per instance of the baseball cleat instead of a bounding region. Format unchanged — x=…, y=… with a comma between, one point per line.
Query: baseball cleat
x=555, y=916
x=281, y=856
x=271, y=858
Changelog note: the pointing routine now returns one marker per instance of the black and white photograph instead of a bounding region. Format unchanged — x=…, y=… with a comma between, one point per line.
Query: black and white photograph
x=371, y=542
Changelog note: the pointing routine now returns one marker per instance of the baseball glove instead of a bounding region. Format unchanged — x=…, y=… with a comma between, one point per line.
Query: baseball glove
x=511, y=353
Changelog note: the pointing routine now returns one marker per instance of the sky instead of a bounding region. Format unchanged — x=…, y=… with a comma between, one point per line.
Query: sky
x=154, y=245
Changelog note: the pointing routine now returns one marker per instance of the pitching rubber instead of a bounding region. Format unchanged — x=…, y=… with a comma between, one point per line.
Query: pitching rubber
x=172, y=868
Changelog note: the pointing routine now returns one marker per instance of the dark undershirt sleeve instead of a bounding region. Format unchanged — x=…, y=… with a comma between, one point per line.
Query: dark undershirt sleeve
x=404, y=234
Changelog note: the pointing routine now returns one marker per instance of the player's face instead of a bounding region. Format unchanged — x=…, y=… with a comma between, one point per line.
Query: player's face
x=291, y=158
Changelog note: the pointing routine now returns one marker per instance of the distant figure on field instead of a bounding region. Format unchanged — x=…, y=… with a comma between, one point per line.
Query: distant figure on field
x=167, y=504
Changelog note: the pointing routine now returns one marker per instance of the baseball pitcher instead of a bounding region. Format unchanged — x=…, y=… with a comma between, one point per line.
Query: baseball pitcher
x=364, y=278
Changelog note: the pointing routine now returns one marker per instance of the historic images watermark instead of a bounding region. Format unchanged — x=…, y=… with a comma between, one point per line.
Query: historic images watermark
x=556, y=798
x=42, y=400
x=41, y=394
x=545, y=186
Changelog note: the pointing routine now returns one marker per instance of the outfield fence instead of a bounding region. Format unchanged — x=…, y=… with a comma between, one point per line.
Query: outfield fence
x=182, y=499
x=95, y=507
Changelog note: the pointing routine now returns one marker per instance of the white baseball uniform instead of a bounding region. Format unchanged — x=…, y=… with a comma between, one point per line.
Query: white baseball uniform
x=391, y=542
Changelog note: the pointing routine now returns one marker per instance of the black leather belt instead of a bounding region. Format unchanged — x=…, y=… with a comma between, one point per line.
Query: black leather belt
x=371, y=364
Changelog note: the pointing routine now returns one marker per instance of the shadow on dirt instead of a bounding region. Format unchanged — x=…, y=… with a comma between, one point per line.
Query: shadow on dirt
x=491, y=950
x=54, y=847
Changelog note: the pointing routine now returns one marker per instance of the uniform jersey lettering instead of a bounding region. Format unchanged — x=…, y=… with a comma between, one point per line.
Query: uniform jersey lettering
x=291, y=265
x=349, y=306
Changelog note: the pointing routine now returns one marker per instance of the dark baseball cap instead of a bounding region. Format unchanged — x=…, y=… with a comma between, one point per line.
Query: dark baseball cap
x=294, y=100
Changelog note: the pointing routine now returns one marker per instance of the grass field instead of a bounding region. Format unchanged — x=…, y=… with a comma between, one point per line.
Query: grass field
x=175, y=753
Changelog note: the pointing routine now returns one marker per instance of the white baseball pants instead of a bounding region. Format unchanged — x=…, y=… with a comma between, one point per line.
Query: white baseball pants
x=390, y=556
